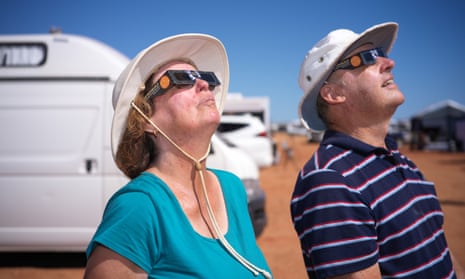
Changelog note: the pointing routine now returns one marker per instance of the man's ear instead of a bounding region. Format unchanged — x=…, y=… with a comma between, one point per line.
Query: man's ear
x=329, y=93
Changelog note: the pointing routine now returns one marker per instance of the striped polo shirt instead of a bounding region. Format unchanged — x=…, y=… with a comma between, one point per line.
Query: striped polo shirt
x=354, y=205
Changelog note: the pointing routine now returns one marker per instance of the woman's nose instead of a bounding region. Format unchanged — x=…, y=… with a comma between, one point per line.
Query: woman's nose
x=201, y=84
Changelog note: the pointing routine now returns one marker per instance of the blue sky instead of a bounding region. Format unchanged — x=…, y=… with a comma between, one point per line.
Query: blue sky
x=266, y=41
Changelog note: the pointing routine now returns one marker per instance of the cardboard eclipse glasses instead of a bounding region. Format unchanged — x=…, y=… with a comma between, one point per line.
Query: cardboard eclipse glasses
x=180, y=78
x=367, y=57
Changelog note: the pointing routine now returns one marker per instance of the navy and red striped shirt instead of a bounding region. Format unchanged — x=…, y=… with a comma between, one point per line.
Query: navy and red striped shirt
x=355, y=205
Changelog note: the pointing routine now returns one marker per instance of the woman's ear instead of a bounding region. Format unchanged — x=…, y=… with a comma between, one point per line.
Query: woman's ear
x=151, y=129
x=331, y=95
x=148, y=128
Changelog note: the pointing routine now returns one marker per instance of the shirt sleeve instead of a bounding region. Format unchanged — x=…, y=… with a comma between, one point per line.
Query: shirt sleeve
x=129, y=228
x=335, y=226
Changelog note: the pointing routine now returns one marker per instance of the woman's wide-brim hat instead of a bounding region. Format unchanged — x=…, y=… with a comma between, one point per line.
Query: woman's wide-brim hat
x=205, y=51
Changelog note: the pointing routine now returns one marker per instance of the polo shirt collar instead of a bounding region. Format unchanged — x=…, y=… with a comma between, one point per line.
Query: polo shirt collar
x=345, y=141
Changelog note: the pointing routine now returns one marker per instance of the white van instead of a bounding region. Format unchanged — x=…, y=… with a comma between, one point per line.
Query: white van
x=56, y=168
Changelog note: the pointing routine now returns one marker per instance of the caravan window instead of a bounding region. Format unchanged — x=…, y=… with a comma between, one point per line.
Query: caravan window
x=22, y=54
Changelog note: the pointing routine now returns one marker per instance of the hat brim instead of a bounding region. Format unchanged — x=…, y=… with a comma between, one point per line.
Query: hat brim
x=207, y=53
x=382, y=35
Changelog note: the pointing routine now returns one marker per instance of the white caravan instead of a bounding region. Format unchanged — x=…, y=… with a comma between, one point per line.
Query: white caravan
x=56, y=168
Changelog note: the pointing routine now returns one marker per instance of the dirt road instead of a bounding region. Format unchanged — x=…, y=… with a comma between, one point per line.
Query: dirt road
x=279, y=242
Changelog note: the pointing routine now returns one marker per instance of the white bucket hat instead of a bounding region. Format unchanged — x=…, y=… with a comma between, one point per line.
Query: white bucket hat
x=323, y=57
x=207, y=53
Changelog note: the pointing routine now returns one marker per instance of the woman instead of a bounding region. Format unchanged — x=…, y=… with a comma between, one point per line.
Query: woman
x=175, y=218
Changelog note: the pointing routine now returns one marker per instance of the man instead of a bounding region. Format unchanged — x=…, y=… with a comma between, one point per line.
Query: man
x=361, y=209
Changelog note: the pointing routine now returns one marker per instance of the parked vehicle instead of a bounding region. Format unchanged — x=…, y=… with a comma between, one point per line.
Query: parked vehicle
x=56, y=167
x=295, y=127
x=258, y=106
x=250, y=134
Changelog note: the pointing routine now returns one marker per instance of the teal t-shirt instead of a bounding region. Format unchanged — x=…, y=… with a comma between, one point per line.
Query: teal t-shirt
x=145, y=223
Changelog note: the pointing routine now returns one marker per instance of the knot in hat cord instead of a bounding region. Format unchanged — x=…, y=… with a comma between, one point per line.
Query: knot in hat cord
x=198, y=167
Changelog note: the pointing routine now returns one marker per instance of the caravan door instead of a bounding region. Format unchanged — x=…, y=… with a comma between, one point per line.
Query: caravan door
x=56, y=170
x=50, y=162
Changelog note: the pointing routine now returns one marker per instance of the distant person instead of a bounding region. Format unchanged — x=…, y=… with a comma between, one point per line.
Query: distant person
x=360, y=208
x=287, y=150
x=288, y=154
x=175, y=218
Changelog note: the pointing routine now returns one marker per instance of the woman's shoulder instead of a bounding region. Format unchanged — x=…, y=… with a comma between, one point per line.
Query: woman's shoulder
x=140, y=182
x=145, y=186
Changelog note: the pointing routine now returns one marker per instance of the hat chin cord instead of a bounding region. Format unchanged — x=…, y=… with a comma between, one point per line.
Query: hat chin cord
x=198, y=167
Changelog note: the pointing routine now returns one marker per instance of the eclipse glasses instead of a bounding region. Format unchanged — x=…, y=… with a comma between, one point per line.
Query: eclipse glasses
x=180, y=78
x=367, y=57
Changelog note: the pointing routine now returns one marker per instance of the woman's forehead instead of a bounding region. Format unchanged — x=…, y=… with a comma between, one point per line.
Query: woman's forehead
x=174, y=65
